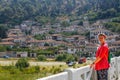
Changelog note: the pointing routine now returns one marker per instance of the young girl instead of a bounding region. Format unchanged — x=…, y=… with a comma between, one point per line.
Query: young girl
x=101, y=63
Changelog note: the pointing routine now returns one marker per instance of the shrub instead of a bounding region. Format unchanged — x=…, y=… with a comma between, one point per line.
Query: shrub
x=22, y=63
x=41, y=58
x=65, y=57
x=9, y=69
x=56, y=70
x=37, y=69
x=31, y=70
x=60, y=57
x=70, y=58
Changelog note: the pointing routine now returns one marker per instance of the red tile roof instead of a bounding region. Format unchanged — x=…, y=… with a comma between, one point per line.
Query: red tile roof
x=6, y=43
x=8, y=39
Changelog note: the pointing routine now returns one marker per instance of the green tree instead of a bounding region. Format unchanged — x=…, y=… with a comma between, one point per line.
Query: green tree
x=70, y=57
x=113, y=26
x=117, y=53
x=80, y=23
x=2, y=48
x=40, y=36
x=51, y=31
x=3, y=31
x=46, y=44
x=117, y=19
x=22, y=63
x=65, y=24
x=65, y=57
x=42, y=19
x=41, y=58
x=60, y=57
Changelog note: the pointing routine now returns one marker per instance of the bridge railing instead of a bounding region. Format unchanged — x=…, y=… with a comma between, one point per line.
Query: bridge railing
x=114, y=70
x=85, y=73
x=118, y=67
x=60, y=76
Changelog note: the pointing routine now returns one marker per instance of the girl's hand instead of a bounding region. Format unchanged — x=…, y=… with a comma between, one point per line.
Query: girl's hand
x=92, y=65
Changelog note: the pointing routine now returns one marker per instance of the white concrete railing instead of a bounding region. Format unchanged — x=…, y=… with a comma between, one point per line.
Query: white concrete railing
x=114, y=70
x=85, y=73
x=118, y=67
x=60, y=76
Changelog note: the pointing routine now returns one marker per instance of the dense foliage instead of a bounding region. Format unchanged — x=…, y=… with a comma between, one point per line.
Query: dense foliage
x=30, y=73
x=22, y=63
x=65, y=57
x=114, y=25
x=40, y=37
x=43, y=11
x=15, y=11
x=3, y=29
x=41, y=58
x=103, y=9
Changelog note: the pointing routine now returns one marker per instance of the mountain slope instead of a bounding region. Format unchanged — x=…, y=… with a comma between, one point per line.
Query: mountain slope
x=15, y=11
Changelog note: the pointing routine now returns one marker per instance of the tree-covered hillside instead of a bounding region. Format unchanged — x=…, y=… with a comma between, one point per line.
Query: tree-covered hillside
x=14, y=11
x=103, y=9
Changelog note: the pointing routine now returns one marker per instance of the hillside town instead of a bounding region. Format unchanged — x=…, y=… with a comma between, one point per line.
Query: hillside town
x=23, y=36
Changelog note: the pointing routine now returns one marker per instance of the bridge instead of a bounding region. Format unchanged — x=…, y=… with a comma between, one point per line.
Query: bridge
x=86, y=73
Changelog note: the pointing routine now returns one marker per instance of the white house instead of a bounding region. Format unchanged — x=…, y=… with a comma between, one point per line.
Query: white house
x=22, y=54
x=71, y=50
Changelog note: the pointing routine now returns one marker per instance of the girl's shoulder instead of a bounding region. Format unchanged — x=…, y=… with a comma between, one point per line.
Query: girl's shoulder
x=105, y=44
